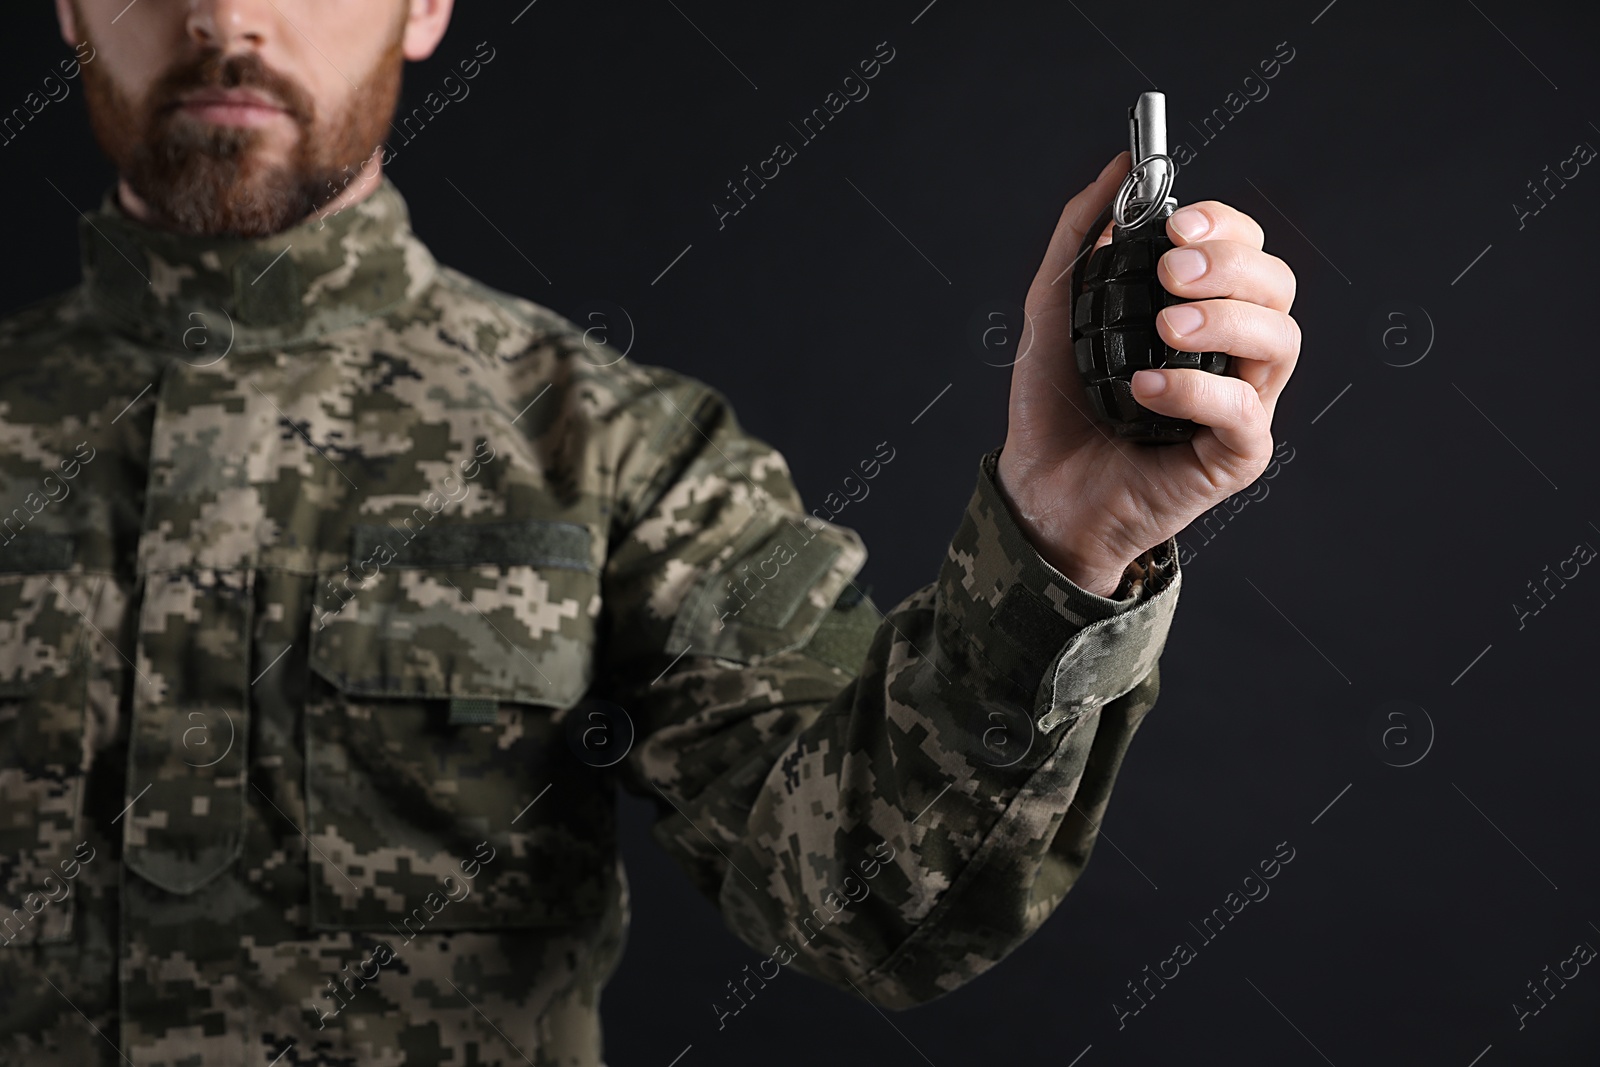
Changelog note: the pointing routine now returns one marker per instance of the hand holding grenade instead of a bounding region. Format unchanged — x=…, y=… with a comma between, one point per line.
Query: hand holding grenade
x=1117, y=297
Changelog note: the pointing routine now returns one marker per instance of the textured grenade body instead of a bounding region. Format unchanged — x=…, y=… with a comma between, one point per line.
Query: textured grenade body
x=1114, y=331
x=1117, y=296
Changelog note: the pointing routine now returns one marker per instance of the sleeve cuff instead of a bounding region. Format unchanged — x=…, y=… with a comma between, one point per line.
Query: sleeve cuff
x=1007, y=610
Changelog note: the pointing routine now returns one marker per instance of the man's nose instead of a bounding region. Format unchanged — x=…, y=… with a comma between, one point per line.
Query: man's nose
x=230, y=25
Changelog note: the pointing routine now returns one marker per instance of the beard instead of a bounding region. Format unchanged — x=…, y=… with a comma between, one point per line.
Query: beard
x=207, y=179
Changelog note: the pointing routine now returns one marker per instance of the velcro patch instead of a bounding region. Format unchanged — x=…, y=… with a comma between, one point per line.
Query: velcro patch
x=33, y=551
x=528, y=542
x=472, y=711
x=1029, y=623
x=772, y=593
x=846, y=632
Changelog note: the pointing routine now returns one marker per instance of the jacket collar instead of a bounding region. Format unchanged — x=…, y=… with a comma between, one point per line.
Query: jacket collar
x=190, y=293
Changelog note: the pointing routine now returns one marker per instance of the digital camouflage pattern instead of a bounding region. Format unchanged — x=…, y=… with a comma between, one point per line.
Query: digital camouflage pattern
x=314, y=553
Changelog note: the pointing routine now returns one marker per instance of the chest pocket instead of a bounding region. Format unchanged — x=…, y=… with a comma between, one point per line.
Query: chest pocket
x=43, y=674
x=442, y=794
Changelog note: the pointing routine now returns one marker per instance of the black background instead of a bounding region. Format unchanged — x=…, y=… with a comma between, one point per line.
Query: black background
x=1382, y=565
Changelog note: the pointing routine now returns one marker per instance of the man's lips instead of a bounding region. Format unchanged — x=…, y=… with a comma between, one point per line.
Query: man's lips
x=232, y=107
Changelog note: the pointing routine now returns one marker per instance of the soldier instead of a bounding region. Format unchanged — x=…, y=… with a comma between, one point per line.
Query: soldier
x=318, y=558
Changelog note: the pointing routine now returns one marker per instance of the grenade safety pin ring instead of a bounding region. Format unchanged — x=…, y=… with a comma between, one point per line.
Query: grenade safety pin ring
x=1135, y=177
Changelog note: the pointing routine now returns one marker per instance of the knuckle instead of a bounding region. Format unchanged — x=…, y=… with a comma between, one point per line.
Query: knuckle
x=1228, y=397
x=1259, y=464
x=1235, y=326
x=1211, y=393
x=1288, y=282
x=1260, y=422
x=1243, y=402
x=1246, y=227
x=1218, y=333
x=1230, y=264
x=1291, y=337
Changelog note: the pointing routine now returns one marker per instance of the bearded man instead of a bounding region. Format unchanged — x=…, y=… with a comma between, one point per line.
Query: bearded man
x=338, y=590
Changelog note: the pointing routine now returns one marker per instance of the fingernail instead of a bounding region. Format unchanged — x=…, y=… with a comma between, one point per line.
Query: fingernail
x=1149, y=382
x=1183, y=319
x=1185, y=264
x=1191, y=224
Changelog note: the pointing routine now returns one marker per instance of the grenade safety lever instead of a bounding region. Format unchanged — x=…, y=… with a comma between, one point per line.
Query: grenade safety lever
x=1117, y=297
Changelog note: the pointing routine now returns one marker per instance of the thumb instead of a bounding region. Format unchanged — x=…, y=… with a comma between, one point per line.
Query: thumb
x=1050, y=288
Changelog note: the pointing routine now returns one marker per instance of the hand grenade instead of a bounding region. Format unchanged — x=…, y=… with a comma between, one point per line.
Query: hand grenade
x=1115, y=302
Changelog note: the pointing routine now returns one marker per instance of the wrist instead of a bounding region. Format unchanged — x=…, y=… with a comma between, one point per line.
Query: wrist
x=1088, y=571
x=1099, y=582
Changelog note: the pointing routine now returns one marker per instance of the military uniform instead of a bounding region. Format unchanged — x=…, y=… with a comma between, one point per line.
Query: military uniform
x=318, y=563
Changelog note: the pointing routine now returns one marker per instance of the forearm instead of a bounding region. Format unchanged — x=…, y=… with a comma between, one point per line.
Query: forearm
x=965, y=765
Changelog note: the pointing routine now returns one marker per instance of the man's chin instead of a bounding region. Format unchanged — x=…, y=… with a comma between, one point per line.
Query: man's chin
x=222, y=198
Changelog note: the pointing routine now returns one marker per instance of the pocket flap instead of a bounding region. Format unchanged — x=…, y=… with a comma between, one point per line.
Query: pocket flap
x=464, y=612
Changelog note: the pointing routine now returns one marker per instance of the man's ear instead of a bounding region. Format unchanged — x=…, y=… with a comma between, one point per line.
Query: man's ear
x=69, y=23
x=426, y=21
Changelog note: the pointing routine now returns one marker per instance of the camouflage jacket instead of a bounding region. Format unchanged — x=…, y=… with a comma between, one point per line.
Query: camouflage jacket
x=338, y=591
